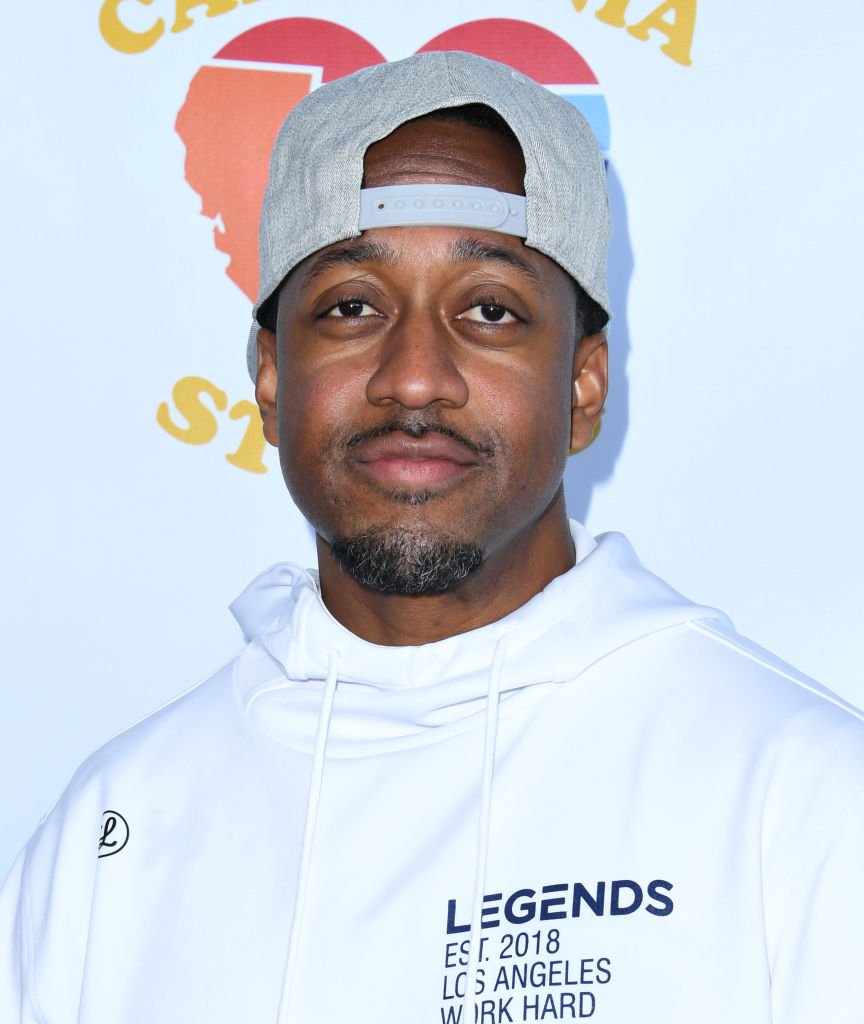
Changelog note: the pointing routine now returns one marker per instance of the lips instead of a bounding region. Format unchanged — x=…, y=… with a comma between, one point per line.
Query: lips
x=414, y=462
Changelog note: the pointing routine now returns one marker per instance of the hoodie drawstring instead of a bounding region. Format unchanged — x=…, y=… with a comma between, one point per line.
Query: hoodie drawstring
x=483, y=825
x=312, y=803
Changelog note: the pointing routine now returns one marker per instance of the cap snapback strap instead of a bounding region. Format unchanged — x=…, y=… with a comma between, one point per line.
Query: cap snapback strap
x=468, y=206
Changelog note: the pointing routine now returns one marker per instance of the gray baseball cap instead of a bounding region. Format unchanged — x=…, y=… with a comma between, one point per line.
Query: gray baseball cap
x=313, y=195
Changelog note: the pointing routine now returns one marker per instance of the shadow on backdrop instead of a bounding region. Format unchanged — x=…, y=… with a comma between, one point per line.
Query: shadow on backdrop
x=596, y=464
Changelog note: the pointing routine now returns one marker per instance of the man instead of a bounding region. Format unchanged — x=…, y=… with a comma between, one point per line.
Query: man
x=482, y=766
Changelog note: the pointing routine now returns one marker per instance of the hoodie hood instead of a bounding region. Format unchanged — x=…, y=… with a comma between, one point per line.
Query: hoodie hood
x=390, y=697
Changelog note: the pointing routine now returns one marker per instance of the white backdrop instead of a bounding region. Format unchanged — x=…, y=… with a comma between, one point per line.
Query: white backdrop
x=729, y=452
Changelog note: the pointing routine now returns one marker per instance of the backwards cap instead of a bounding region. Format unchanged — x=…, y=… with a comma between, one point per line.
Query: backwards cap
x=313, y=196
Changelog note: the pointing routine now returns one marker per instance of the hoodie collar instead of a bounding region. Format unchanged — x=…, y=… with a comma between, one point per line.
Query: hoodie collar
x=398, y=695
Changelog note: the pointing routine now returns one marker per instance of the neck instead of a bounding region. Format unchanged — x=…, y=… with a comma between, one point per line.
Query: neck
x=513, y=572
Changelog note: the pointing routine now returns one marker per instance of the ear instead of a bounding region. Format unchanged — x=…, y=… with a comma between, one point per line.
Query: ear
x=590, y=383
x=266, y=384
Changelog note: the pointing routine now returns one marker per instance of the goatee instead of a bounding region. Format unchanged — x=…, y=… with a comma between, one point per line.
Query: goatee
x=402, y=562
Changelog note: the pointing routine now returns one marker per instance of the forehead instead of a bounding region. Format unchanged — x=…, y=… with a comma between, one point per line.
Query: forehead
x=445, y=152
x=414, y=250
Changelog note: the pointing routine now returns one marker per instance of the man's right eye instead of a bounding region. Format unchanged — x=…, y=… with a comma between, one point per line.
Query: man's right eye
x=351, y=309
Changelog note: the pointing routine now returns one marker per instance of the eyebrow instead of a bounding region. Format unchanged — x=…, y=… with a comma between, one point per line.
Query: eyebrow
x=472, y=250
x=365, y=251
x=463, y=250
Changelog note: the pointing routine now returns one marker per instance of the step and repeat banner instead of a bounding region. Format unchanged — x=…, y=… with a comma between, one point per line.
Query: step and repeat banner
x=139, y=495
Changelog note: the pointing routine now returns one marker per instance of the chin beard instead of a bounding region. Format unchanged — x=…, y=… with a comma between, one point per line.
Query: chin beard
x=401, y=562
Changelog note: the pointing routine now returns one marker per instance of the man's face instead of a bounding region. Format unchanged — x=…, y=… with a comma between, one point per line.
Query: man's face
x=424, y=376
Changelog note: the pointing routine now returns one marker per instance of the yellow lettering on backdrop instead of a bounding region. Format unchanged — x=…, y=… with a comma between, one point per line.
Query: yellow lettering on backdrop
x=188, y=394
x=612, y=12
x=679, y=31
x=127, y=40
x=116, y=34
x=214, y=7
x=187, y=397
x=250, y=454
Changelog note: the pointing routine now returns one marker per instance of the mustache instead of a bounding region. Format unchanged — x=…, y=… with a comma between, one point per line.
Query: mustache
x=419, y=426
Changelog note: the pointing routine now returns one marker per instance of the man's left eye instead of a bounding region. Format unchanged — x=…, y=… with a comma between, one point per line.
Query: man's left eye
x=489, y=313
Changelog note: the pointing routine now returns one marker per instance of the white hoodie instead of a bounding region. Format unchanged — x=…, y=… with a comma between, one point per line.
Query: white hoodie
x=646, y=818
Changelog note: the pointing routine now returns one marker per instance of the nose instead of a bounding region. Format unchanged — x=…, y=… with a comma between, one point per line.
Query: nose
x=416, y=366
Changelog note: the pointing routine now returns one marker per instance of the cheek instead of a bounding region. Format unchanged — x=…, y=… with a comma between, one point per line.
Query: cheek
x=314, y=404
x=530, y=410
x=311, y=392
x=546, y=444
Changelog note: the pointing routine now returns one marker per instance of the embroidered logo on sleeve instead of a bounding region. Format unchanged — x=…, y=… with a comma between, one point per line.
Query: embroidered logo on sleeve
x=114, y=835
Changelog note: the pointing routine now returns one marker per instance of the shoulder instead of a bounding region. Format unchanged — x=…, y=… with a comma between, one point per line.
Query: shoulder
x=760, y=687
x=182, y=730
x=703, y=665
x=719, y=708
x=150, y=772
x=738, y=716
x=152, y=760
